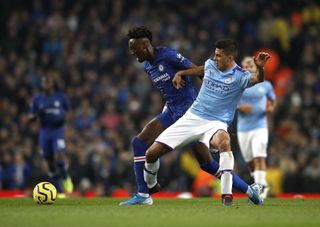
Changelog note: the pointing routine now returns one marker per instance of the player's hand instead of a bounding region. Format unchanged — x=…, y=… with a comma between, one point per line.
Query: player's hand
x=177, y=81
x=245, y=109
x=261, y=59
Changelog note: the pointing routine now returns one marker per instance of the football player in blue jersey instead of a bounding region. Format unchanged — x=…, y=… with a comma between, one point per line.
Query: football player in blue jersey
x=252, y=127
x=51, y=107
x=213, y=110
x=161, y=64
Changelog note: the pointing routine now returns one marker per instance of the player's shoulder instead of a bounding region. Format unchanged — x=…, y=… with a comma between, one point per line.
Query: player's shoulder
x=267, y=84
x=37, y=97
x=61, y=95
x=240, y=71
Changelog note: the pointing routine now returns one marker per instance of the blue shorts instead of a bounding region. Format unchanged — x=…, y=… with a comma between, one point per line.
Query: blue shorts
x=51, y=141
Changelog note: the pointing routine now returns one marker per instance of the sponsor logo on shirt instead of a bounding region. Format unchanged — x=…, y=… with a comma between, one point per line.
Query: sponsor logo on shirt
x=163, y=77
x=217, y=87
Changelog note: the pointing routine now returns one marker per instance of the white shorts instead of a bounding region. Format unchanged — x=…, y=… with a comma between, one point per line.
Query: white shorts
x=253, y=144
x=190, y=128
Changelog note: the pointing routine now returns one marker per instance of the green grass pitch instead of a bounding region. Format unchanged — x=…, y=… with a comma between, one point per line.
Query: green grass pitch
x=165, y=212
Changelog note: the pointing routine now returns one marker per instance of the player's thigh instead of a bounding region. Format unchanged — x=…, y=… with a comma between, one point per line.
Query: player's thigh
x=218, y=136
x=187, y=129
x=46, y=148
x=59, y=146
x=259, y=143
x=155, y=127
x=201, y=152
x=244, y=140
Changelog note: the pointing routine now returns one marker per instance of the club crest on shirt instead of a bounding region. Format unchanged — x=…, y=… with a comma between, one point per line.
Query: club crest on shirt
x=56, y=103
x=228, y=80
x=261, y=89
x=161, y=68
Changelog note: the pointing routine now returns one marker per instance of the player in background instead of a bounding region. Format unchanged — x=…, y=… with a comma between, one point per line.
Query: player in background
x=161, y=64
x=252, y=127
x=208, y=118
x=51, y=107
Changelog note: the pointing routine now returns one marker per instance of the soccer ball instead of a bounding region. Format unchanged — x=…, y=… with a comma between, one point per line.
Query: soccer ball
x=44, y=193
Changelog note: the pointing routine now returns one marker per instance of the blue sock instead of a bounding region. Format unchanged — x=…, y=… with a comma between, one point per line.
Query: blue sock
x=213, y=167
x=63, y=170
x=139, y=152
x=55, y=180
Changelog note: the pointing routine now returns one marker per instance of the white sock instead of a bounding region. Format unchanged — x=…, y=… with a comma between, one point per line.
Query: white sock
x=260, y=177
x=150, y=176
x=226, y=166
x=145, y=195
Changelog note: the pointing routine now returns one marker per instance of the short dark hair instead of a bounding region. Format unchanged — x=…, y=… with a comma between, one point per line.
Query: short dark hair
x=140, y=32
x=229, y=46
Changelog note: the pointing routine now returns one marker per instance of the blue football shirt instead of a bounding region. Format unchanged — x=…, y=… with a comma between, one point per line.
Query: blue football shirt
x=220, y=92
x=50, y=109
x=162, y=70
x=256, y=97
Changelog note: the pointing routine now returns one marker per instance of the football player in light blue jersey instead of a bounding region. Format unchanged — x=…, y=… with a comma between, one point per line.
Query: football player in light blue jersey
x=252, y=128
x=161, y=64
x=208, y=118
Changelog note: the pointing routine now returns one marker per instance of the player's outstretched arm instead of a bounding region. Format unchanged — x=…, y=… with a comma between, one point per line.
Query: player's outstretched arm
x=245, y=108
x=178, y=82
x=260, y=61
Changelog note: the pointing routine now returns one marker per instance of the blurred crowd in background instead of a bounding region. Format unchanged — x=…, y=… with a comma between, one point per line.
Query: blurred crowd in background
x=82, y=44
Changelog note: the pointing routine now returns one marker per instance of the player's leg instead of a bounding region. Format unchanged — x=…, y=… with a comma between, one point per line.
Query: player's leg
x=222, y=140
x=210, y=166
x=259, y=148
x=48, y=154
x=152, y=163
x=140, y=144
x=60, y=159
x=180, y=133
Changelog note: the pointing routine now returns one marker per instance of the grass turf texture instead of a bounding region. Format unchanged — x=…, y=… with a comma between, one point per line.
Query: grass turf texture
x=164, y=212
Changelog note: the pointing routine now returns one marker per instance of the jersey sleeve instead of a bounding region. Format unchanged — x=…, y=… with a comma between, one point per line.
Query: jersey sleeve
x=245, y=79
x=33, y=109
x=178, y=60
x=270, y=92
x=66, y=103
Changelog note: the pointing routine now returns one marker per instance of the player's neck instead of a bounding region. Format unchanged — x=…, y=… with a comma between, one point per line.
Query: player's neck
x=48, y=93
x=152, y=54
x=229, y=66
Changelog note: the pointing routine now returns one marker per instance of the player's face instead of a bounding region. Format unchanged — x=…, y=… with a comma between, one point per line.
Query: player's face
x=221, y=60
x=138, y=49
x=47, y=83
x=249, y=65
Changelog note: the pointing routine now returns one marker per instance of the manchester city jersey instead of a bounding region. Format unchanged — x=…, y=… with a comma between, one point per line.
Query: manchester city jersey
x=50, y=109
x=256, y=97
x=220, y=92
x=162, y=70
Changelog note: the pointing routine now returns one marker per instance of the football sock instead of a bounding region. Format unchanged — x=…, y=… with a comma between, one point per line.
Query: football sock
x=150, y=173
x=213, y=167
x=55, y=180
x=260, y=177
x=139, y=152
x=226, y=167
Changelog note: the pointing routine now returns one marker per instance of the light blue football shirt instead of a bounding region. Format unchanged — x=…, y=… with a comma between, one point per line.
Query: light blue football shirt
x=220, y=92
x=256, y=96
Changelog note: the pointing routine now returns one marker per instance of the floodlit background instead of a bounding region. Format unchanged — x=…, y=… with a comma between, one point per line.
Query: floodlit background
x=83, y=45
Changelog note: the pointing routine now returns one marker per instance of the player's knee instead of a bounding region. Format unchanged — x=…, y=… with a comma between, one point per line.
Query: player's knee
x=224, y=145
x=151, y=156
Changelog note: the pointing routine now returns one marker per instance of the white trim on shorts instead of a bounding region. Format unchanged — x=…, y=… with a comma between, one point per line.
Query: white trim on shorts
x=189, y=128
x=253, y=144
